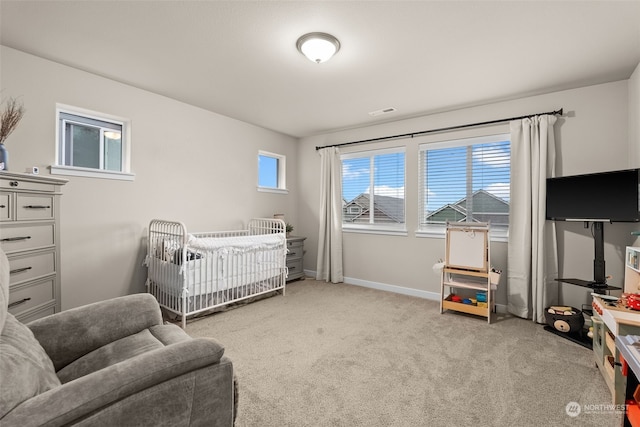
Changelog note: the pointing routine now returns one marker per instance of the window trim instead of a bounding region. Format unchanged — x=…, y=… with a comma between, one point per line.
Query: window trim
x=438, y=231
x=379, y=228
x=282, y=173
x=60, y=169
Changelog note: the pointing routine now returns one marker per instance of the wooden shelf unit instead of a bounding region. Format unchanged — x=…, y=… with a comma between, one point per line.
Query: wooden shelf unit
x=467, y=267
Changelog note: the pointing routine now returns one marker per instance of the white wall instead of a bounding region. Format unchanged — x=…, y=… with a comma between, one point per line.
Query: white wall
x=592, y=138
x=190, y=164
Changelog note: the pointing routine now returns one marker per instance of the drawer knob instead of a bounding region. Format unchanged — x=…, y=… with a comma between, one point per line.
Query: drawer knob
x=2, y=206
x=20, y=270
x=36, y=207
x=16, y=303
x=13, y=183
x=15, y=239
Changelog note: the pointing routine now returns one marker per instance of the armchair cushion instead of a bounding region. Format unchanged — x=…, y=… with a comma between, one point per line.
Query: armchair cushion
x=129, y=347
x=71, y=334
x=25, y=369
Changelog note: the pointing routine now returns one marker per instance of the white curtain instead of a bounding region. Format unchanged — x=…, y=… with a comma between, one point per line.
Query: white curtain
x=532, y=248
x=329, y=267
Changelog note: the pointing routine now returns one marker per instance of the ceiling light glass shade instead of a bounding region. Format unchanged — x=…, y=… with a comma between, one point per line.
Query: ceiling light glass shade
x=318, y=47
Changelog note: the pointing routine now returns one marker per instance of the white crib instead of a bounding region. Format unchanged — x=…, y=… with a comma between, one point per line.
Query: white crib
x=197, y=272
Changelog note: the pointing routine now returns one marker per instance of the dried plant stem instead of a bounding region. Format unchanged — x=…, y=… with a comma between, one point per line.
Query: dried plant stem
x=9, y=118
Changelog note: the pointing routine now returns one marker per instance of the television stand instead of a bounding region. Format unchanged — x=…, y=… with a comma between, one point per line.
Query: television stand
x=599, y=288
x=581, y=337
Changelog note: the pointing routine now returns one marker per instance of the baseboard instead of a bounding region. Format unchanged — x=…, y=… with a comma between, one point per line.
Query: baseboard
x=434, y=296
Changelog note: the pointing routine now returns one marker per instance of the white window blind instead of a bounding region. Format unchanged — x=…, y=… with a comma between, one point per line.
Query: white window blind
x=466, y=180
x=373, y=189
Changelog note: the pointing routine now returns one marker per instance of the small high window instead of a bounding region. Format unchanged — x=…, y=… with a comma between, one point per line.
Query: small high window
x=91, y=144
x=271, y=172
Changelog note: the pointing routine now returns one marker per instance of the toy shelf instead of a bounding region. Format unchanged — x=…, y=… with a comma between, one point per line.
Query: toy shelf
x=447, y=304
x=467, y=267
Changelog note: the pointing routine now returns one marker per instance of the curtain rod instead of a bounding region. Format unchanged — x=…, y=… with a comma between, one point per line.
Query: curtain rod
x=424, y=132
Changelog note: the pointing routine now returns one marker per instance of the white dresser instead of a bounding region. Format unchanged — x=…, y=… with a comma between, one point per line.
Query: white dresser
x=30, y=236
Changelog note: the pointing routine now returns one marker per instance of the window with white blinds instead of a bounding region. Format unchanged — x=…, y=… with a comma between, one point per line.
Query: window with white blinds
x=92, y=144
x=373, y=189
x=465, y=180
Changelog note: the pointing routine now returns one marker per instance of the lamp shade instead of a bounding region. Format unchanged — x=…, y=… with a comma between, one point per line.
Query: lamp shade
x=318, y=47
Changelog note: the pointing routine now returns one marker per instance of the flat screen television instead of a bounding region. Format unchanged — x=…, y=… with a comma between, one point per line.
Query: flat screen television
x=605, y=197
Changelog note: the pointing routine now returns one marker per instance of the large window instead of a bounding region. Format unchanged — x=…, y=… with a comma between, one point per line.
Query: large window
x=271, y=172
x=466, y=180
x=90, y=144
x=373, y=190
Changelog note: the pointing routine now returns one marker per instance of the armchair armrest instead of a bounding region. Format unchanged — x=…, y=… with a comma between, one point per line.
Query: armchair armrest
x=92, y=393
x=71, y=334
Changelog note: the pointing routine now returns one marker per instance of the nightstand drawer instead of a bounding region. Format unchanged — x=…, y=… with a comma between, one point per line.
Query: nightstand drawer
x=28, y=297
x=295, y=251
x=26, y=237
x=29, y=267
x=295, y=267
x=34, y=207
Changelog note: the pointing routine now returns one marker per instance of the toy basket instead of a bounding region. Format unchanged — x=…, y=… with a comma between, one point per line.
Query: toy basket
x=568, y=321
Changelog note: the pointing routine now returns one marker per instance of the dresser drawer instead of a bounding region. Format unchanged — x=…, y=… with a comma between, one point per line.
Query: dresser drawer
x=27, y=317
x=26, y=237
x=23, y=268
x=26, y=185
x=28, y=297
x=34, y=207
x=6, y=213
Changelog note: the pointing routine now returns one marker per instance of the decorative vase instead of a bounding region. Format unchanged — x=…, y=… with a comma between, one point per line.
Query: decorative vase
x=4, y=158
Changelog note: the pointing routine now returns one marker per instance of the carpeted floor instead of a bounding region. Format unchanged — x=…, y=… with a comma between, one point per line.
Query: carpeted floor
x=343, y=355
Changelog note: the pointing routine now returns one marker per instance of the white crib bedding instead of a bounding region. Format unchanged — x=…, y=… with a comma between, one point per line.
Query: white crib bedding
x=196, y=277
x=222, y=263
x=236, y=244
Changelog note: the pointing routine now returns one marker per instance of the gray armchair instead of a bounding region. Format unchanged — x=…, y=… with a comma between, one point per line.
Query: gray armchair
x=109, y=363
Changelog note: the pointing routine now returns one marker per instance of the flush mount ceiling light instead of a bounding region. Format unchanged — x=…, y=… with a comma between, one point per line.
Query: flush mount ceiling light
x=318, y=47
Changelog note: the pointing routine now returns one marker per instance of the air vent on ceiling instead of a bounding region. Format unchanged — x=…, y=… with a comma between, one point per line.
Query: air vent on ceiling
x=383, y=111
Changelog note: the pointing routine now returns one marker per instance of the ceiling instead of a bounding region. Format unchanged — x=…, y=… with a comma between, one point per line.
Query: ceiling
x=239, y=58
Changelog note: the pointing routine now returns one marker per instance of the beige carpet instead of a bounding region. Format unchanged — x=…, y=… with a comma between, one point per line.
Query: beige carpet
x=343, y=355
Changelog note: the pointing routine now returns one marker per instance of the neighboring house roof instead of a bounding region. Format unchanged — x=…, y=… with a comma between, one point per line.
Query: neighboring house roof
x=391, y=208
x=487, y=207
x=448, y=213
x=486, y=202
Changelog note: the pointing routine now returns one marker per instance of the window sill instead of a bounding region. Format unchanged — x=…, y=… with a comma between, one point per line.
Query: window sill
x=273, y=190
x=390, y=231
x=494, y=236
x=91, y=173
